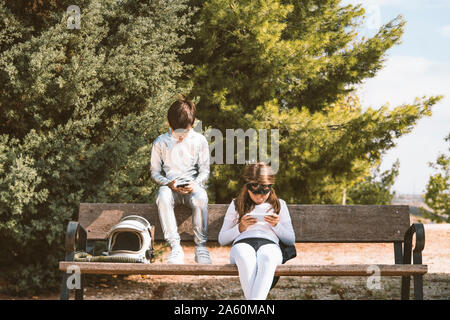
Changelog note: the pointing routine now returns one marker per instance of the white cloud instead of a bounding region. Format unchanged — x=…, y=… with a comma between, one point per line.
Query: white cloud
x=445, y=31
x=406, y=77
x=401, y=3
x=402, y=79
x=379, y=3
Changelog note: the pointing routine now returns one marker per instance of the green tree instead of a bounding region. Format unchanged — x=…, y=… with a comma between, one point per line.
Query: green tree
x=292, y=66
x=376, y=188
x=437, y=195
x=78, y=112
x=323, y=153
x=305, y=53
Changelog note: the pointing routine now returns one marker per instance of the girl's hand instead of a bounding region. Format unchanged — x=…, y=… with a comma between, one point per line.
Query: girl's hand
x=272, y=219
x=246, y=221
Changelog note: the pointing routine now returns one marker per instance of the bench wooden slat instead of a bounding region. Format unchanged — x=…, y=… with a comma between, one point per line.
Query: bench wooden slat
x=312, y=223
x=231, y=269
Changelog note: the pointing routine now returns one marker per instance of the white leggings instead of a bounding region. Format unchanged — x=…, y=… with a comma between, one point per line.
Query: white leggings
x=256, y=269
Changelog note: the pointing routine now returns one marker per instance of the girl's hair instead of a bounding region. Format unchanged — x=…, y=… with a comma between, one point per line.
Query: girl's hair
x=181, y=113
x=262, y=173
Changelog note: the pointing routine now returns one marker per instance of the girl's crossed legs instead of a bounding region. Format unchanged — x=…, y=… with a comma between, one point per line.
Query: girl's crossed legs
x=256, y=268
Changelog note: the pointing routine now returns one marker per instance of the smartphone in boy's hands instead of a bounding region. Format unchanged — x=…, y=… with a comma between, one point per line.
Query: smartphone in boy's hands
x=184, y=187
x=181, y=185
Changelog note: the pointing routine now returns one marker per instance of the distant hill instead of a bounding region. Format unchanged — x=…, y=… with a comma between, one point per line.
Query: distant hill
x=414, y=201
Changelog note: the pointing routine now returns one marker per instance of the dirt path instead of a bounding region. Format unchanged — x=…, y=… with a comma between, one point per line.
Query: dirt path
x=436, y=283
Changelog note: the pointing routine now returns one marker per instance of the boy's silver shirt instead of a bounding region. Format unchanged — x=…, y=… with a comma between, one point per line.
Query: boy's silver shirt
x=183, y=161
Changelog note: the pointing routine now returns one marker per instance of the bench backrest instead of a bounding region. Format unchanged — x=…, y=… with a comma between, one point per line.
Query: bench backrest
x=312, y=223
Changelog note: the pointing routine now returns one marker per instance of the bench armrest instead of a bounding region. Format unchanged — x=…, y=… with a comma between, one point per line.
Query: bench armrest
x=75, y=239
x=419, y=230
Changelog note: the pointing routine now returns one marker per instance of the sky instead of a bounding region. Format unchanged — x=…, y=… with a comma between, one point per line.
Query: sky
x=419, y=66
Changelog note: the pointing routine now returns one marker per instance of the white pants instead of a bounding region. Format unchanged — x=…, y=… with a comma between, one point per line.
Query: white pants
x=256, y=269
x=167, y=199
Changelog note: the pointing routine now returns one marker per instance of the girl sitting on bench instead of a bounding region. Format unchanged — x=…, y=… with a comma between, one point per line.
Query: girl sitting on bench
x=255, y=222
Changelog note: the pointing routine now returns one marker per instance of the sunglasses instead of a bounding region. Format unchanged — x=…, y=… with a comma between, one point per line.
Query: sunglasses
x=259, y=188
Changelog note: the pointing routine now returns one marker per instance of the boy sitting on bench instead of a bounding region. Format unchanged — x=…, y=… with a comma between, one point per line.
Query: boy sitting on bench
x=183, y=155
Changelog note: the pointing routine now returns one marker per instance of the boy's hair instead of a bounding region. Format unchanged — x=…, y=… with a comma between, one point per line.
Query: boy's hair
x=181, y=113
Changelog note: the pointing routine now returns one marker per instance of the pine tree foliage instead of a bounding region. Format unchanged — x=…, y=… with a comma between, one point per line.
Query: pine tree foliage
x=79, y=109
x=376, y=188
x=294, y=65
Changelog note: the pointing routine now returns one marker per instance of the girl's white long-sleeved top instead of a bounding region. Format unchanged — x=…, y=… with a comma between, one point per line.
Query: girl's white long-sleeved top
x=282, y=231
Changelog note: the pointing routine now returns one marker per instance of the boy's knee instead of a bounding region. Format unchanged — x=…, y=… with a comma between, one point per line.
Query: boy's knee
x=199, y=198
x=164, y=196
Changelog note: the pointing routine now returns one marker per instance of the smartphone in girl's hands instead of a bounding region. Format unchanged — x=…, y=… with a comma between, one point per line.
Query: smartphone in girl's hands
x=258, y=216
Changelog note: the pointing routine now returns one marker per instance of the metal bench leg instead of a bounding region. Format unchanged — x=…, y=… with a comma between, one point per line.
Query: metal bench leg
x=398, y=255
x=406, y=283
x=79, y=293
x=418, y=287
x=75, y=238
x=65, y=293
x=398, y=252
x=419, y=230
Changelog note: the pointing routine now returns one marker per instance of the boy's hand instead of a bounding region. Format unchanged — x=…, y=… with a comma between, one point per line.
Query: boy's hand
x=171, y=185
x=187, y=189
x=183, y=190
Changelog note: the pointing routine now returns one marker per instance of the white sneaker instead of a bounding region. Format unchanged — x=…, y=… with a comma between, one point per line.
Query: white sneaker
x=202, y=255
x=176, y=255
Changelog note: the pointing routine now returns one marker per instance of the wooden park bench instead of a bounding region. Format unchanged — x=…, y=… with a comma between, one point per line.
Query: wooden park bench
x=312, y=223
